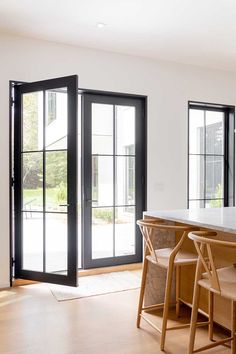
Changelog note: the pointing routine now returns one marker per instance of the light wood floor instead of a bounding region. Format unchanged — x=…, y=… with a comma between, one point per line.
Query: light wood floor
x=33, y=322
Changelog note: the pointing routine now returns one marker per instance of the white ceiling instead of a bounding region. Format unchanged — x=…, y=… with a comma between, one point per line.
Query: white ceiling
x=201, y=32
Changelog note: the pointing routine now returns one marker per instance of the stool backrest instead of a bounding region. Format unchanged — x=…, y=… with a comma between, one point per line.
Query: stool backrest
x=149, y=226
x=203, y=242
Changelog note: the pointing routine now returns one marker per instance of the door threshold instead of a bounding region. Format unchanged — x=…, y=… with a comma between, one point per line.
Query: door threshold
x=111, y=269
x=22, y=282
x=86, y=272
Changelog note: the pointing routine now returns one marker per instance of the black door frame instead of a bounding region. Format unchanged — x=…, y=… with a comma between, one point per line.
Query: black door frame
x=71, y=82
x=12, y=86
x=140, y=102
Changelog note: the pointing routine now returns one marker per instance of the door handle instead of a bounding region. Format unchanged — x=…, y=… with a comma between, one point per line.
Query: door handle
x=64, y=205
x=91, y=201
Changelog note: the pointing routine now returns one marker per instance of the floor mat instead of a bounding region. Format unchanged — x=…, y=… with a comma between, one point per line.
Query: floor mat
x=98, y=284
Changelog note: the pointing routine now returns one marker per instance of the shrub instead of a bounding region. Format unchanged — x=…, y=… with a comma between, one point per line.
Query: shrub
x=106, y=215
x=61, y=193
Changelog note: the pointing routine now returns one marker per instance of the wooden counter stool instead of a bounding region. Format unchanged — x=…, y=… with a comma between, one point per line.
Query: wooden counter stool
x=169, y=258
x=221, y=281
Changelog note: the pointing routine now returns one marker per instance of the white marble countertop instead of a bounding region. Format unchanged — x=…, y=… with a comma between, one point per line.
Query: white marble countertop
x=222, y=219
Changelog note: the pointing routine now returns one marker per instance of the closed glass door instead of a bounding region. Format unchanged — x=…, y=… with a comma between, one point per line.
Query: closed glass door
x=114, y=179
x=45, y=170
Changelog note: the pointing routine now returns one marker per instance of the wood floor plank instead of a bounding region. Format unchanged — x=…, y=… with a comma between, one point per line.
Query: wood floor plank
x=33, y=322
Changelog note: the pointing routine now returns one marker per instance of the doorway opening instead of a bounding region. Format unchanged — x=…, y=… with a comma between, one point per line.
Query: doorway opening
x=78, y=179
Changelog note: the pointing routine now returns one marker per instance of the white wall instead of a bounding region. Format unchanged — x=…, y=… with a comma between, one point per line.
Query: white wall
x=168, y=87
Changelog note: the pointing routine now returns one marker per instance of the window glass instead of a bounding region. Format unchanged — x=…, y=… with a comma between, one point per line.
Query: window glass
x=206, y=157
x=196, y=131
x=214, y=132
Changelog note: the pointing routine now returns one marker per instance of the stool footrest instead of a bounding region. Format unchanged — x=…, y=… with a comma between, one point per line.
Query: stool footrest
x=151, y=324
x=156, y=306
x=186, y=325
x=199, y=324
x=212, y=345
x=152, y=307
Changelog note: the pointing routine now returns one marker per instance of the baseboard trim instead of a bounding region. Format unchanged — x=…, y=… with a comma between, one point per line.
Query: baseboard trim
x=4, y=286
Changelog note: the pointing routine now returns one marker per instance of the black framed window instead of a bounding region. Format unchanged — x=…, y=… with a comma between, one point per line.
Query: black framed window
x=210, y=155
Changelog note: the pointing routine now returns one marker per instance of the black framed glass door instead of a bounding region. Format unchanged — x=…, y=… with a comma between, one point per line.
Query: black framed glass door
x=45, y=180
x=114, y=167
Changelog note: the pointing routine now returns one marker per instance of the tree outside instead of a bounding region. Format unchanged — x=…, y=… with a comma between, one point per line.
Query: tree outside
x=55, y=162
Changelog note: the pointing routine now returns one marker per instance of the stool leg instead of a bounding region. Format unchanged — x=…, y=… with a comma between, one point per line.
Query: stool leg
x=233, y=327
x=142, y=290
x=177, y=290
x=211, y=312
x=194, y=315
x=166, y=304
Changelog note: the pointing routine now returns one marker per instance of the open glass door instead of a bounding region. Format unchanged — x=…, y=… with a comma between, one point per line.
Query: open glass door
x=114, y=163
x=45, y=179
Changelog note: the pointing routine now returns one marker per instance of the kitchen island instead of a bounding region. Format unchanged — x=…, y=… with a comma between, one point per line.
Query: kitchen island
x=221, y=220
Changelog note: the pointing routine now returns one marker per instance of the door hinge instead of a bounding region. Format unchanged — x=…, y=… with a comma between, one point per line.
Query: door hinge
x=12, y=181
x=13, y=262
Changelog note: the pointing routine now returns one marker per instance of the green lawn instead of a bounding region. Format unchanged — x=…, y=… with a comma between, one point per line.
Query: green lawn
x=34, y=197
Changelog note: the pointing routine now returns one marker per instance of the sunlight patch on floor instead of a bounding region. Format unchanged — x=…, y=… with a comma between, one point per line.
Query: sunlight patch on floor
x=10, y=297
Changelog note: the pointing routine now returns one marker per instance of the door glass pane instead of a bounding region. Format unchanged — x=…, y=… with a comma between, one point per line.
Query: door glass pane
x=102, y=129
x=56, y=181
x=56, y=119
x=124, y=231
x=102, y=180
x=125, y=130
x=102, y=232
x=32, y=181
x=32, y=121
x=214, y=132
x=196, y=131
x=215, y=203
x=46, y=181
x=196, y=177
x=195, y=204
x=214, y=177
x=125, y=180
x=56, y=243
x=32, y=241
x=113, y=180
